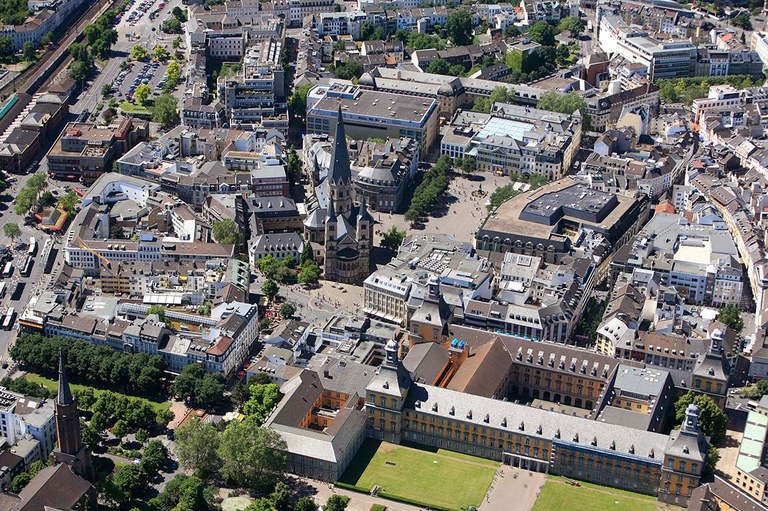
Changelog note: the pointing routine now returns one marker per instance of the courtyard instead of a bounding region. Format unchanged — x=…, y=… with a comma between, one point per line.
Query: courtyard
x=421, y=476
x=561, y=493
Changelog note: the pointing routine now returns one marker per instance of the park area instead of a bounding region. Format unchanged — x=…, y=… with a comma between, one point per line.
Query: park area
x=559, y=493
x=419, y=476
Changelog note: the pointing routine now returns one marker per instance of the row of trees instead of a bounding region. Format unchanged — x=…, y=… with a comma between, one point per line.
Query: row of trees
x=110, y=409
x=433, y=185
x=27, y=197
x=685, y=90
x=138, y=373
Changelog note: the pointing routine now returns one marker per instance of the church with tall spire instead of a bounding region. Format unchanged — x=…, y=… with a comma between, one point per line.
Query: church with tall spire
x=70, y=449
x=343, y=228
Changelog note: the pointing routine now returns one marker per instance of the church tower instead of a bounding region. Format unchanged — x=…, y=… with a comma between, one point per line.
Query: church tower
x=70, y=450
x=340, y=175
x=364, y=236
x=331, y=230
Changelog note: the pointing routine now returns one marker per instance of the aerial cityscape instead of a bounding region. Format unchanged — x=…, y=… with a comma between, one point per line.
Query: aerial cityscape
x=383, y=255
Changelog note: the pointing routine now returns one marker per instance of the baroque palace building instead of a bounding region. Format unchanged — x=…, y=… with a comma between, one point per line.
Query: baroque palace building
x=668, y=466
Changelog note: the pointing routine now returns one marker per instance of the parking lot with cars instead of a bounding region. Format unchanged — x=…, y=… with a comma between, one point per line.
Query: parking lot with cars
x=147, y=6
x=152, y=74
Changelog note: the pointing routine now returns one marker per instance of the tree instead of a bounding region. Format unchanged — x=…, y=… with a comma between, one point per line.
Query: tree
x=297, y=103
x=141, y=435
x=28, y=51
x=176, y=43
x=306, y=254
x=287, y=309
x=6, y=45
x=501, y=195
x=174, y=75
x=713, y=456
x=79, y=52
x=142, y=93
x=171, y=26
x=309, y=274
x=305, y=504
x=89, y=435
x=227, y=232
x=251, y=456
x=270, y=289
x=348, y=70
x=159, y=310
x=240, y=394
x=185, y=384
x=130, y=480
x=731, y=317
x=210, y=390
x=419, y=41
x=196, y=447
x=457, y=70
x=281, y=497
x=573, y=24
x=12, y=231
x=166, y=111
x=458, y=26
x=712, y=421
x=20, y=482
x=264, y=323
x=69, y=201
x=742, y=20
x=392, y=239
x=565, y=104
x=294, y=166
x=155, y=456
x=99, y=422
x=543, y=33
x=179, y=14
x=469, y=164
x=138, y=52
x=263, y=397
x=120, y=429
x=106, y=90
x=438, y=66
x=160, y=53
x=366, y=31
x=336, y=503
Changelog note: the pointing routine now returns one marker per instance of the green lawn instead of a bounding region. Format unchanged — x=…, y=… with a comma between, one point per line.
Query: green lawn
x=421, y=475
x=131, y=108
x=557, y=494
x=53, y=386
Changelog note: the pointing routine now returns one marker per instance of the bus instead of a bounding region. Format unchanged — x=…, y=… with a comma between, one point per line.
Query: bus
x=27, y=268
x=8, y=269
x=32, y=246
x=2, y=289
x=8, y=319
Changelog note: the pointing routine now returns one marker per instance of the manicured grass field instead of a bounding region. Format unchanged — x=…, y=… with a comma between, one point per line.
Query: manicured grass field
x=558, y=494
x=53, y=386
x=434, y=478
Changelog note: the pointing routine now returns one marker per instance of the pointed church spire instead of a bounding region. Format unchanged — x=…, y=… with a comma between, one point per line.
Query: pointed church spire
x=340, y=172
x=65, y=394
x=364, y=214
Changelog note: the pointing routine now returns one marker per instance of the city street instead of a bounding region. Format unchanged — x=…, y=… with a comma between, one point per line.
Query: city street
x=29, y=285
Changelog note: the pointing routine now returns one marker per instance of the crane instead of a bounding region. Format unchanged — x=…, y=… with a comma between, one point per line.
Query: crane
x=82, y=244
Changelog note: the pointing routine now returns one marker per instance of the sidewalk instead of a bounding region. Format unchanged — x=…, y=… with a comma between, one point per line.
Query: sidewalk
x=357, y=501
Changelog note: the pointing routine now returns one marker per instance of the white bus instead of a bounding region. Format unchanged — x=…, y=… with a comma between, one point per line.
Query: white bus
x=8, y=269
x=27, y=268
x=32, y=246
x=8, y=319
x=2, y=289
